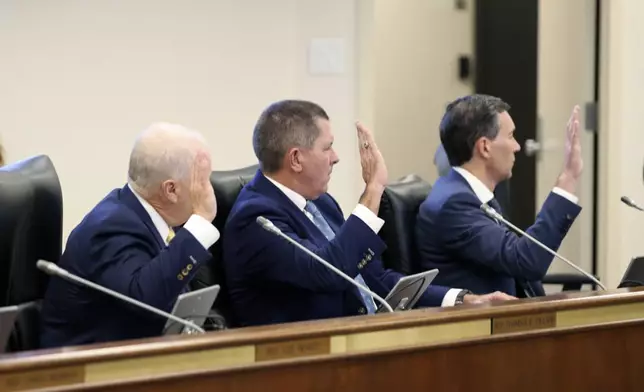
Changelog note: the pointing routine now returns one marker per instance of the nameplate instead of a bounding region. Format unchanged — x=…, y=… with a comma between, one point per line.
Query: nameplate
x=292, y=349
x=529, y=322
x=42, y=378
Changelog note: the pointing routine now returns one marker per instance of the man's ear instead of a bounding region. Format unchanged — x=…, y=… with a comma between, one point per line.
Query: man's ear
x=482, y=147
x=294, y=159
x=169, y=189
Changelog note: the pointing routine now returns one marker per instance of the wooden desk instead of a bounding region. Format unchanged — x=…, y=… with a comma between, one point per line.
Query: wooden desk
x=562, y=341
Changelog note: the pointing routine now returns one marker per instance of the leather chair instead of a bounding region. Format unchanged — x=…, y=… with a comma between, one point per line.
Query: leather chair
x=227, y=185
x=398, y=208
x=634, y=274
x=31, y=226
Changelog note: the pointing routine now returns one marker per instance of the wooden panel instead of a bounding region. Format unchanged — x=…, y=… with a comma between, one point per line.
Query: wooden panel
x=233, y=349
x=582, y=359
x=42, y=378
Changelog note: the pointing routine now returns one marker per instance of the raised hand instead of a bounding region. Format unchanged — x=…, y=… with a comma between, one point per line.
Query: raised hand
x=374, y=169
x=204, y=203
x=573, y=161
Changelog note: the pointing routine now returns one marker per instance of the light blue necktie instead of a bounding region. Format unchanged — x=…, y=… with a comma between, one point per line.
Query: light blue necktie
x=324, y=227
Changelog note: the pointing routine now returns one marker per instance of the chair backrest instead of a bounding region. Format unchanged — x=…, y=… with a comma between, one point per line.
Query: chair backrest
x=31, y=226
x=227, y=185
x=634, y=274
x=398, y=208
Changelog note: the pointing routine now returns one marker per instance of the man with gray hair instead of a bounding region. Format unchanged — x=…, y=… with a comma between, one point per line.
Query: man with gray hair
x=128, y=243
x=270, y=281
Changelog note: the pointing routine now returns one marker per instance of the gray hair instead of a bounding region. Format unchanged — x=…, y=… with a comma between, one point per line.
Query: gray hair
x=282, y=126
x=163, y=151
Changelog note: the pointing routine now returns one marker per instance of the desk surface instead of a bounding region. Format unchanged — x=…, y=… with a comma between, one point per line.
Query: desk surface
x=245, y=347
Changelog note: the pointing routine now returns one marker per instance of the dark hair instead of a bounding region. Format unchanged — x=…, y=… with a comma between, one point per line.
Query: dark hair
x=466, y=120
x=284, y=125
x=1, y=155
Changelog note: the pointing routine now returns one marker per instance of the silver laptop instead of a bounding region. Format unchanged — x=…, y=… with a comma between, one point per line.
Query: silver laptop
x=8, y=316
x=408, y=291
x=193, y=306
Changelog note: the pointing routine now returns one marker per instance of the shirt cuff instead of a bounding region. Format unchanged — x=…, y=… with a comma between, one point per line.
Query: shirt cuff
x=450, y=297
x=205, y=232
x=566, y=194
x=368, y=217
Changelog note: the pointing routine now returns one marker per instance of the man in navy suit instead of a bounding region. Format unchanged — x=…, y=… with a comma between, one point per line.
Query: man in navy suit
x=453, y=234
x=127, y=243
x=270, y=280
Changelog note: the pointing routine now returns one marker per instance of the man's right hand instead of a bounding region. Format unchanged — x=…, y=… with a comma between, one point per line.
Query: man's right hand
x=573, y=162
x=204, y=203
x=374, y=170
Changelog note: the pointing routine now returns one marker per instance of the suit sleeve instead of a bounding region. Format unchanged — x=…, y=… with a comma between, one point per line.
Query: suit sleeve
x=473, y=236
x=121, y=261
x=274, y=260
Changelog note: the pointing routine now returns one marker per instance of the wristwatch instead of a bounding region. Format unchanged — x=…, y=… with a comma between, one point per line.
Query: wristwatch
x=460, y=296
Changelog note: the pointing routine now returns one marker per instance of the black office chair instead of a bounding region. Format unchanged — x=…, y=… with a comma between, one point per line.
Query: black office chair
x=634, y=274
x=31, y=226
x=398, y=208
x=227, y=185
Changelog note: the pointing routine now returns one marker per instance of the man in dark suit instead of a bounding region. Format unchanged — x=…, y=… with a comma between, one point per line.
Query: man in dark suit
x=270, y=280
x=453, y=234
x=127, y=243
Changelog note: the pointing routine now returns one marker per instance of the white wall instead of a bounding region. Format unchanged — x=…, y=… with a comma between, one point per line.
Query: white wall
x=408, y=71
x=79, y=79
x=621, y=151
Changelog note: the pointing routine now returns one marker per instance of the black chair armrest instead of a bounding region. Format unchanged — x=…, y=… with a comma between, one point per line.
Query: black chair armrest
x=570, y=282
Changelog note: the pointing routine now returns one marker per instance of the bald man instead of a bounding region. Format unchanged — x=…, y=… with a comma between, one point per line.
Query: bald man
x=128, y=243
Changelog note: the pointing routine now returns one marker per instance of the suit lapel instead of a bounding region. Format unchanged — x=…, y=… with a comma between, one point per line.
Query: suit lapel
x=129, y=199
x=308, y=229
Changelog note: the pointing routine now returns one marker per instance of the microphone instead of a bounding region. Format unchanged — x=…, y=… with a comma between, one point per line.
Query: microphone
x=269, y=226
x=495, y=215
x=52, y=269
x=629, y=202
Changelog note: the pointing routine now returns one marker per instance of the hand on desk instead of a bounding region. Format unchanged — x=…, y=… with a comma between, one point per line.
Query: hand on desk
x=492, y=297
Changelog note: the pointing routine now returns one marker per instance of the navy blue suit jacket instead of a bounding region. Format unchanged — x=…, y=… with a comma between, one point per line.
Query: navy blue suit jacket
x=271, y=281
x=473, y=252
x=117, y=246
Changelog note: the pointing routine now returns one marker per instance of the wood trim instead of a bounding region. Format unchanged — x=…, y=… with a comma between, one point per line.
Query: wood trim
x=318, y=328
x=402, y=352
x=244, y=347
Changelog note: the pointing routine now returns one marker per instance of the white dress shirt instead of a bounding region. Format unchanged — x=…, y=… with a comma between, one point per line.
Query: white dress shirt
x=366, y=215
x=203, y=231
x=485, y=194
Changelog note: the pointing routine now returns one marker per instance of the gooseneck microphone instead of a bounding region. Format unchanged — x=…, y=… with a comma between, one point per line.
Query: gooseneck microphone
x=629, y=202
x=52, y=269
x=492, y=213
x=270, y=227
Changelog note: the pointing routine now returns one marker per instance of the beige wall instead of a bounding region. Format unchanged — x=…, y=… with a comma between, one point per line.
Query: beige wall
x=80, y=79
x=409, y=72
x=621, y=151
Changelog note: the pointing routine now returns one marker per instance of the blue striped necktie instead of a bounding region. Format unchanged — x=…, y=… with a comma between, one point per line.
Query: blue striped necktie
x=323, y=225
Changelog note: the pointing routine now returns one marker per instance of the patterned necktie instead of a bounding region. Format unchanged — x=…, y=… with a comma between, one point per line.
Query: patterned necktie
x=324, y=227
x=170, y=236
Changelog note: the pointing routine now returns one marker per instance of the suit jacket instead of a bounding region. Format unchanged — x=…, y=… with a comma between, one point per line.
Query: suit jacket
x=473, y=251
x=271, y=281
x=117, y=246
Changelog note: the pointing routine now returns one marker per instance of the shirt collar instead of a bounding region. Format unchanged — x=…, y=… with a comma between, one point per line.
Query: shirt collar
x=480, y=190
x=296, y=198
x=160, y=224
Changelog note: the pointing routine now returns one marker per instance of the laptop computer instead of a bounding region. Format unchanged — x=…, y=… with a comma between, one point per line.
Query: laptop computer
x=408, y=291
x=193, y=306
